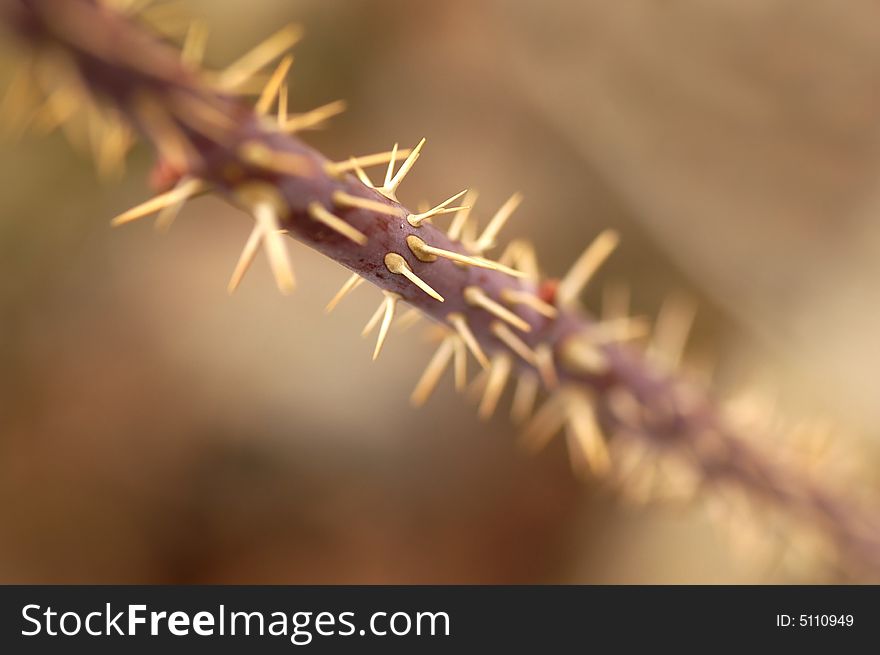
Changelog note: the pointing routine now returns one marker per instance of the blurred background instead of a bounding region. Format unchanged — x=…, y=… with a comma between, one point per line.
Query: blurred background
x=154, y=429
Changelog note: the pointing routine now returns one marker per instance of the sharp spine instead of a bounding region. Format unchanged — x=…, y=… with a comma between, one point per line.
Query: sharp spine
x=443, y=208
x=499, y=372
x=350, y=201
x=459, y=322
x=397, y=265
x=352, y=283
x=517, y=345
x=433, y=372
x=427, y=253
x=477, y=297
x=530, y=300
x=577, y=278
x=321, y=214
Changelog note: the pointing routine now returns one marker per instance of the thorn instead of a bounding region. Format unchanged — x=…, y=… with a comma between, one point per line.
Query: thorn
x=397, y=265
x=193, y=51
x=352, y=283
x=416, y=219
x=585, y=431
x=524, y=397
x=549, y=418
x=498, y=374
x=163, y=200
x=386, y=311
x=343, y=199
x=671, y=330
x=433, y=372
x=168, y=214
x=461, y=218
x=389, y=171
x=273, y=86
x=517, y=345
x=460, y=364
x=243, y=68
x=339, y=167
x=487, y=238
x=314, y=117
x=282, y=105
x=546, y=366
x=581, y=355
x=459, y=322
x=585, y=267
x=477, y=297
x=285, y=163
x=318, y=212
x=625, y=328
x=251, y=246
x=389, y=188
x=361, y=175
x=522, y=297
x=279, y=260
x=426, y=253
x=520, y=254
x=170, y=140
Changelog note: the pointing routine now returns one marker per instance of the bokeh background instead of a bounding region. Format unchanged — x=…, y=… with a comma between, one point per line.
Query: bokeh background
x=153, y=429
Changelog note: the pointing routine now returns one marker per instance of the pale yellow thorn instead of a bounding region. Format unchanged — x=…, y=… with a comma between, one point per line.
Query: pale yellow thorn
x=520, y=254
x=251, y=246
x=286, y=163
x=546, y=365
x=581, y=419
x=171, y=141
x=460, y=364
x=343, y=199
x=168, y=214
x=585, y=267
x=461, y=218
x=320, y=213
x=529, y=299
x=427, y=253
x=517, y=345
x=549, y=418
x=392, y=161
x=193, y=51
x=498, y=375
x=282, y=104
x=624, y=328
x=314, y=117
x=477, y=297
x=433, y=372
x=389, y=306
x=273, y=86
x=671, y=330
x=238, y=72
x=276, y=251
x=374, y=319
x=352, y=283
x=459, y=322
x=443, y=208
x=184, y=192
x=487, y=239
x=397, y=265
x=389, y=188
x=582, y=355
x=335, y=168
x=524, y=397
x=361, y=175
